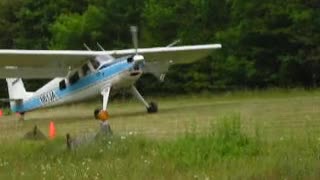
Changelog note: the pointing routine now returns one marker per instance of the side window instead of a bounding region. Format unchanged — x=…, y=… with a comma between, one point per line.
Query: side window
x=95, y=63
x=85, y=69
x=62, y=85
x=74, y=78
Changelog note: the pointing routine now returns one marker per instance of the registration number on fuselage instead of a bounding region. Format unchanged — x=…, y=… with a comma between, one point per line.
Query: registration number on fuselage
x=48, y=97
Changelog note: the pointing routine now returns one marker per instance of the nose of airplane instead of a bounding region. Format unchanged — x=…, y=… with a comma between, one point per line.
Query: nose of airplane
x=138, y=58
x=135, y=58
x=138, y=63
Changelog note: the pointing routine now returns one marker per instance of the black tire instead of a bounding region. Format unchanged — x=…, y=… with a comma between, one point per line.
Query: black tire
x=96, y=113
x=153, y=107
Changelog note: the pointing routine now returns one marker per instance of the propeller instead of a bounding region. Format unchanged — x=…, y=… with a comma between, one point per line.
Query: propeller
x=155, y=68
x=136, y=57
x=134, y=33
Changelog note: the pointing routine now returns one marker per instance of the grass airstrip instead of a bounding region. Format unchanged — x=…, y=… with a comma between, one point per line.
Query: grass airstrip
x=272, y=134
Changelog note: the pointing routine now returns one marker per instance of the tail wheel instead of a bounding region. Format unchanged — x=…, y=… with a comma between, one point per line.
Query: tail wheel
x=153, y=107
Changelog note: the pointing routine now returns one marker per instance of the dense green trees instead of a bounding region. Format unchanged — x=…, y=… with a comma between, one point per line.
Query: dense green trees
x=266, y=43
x=277, y=40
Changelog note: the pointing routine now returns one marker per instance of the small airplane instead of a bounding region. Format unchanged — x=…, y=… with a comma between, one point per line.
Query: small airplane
x=80, y=75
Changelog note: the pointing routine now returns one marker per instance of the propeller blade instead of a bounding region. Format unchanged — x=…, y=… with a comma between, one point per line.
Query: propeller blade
x=134, y=33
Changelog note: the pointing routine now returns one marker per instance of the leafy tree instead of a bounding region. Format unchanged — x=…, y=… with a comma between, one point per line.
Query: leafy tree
x=106, y=22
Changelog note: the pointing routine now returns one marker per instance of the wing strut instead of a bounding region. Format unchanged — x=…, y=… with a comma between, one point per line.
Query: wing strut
x=136, y=93
x=151, y=107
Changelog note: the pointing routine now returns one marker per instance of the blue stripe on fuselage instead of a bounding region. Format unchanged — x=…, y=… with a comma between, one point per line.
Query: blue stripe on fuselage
x=83, y=82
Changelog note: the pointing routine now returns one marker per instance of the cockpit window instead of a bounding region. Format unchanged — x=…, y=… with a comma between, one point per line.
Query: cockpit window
x=95, y=63
x=74, y=78
x=62, y=85
x=85, y=69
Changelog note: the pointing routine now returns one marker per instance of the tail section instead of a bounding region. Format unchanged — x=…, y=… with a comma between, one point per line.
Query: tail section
x=17, y=91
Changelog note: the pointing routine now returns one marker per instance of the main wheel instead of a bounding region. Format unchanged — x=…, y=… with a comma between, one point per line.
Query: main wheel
x=96, y=113
x=153, y=107
x=21, y=116
x=100, y=114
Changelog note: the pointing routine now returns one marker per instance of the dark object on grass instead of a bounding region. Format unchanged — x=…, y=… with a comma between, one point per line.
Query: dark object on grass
x=68, y=141
x=105, y=130
x=75, y=142
x=35, y=134
x=87, y=138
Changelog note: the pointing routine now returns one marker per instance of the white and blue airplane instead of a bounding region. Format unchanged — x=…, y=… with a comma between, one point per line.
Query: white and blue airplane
x=80, y=75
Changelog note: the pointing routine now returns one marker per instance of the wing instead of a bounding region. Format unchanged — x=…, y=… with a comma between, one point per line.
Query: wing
x=176, y=55
x=52, y=63
x=40, y=63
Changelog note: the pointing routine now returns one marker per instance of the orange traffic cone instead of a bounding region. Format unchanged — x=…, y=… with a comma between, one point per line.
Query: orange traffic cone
x=52, y=130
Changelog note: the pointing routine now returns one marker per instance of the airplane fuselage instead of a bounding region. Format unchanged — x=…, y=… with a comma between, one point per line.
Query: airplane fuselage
x=82, y=84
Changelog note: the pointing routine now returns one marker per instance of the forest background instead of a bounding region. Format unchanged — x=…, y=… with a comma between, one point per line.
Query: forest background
x=266, y=43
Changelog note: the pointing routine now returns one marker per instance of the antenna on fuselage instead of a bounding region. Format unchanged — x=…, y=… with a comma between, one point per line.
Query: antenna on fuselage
x=101, y=48
x=86, y=46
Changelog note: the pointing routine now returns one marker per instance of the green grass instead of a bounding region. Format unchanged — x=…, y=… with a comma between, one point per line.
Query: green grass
x=242, y=135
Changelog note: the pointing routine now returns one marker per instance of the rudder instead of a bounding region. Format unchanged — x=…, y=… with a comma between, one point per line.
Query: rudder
x=16, y=89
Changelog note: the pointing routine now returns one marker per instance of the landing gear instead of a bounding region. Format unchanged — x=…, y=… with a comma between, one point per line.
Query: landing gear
x=102, y=114
x=21, y=116
x=152, y=107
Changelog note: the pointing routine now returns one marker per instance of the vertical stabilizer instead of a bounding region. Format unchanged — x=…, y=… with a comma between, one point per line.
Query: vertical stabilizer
x=16, y=88
x=17, y=91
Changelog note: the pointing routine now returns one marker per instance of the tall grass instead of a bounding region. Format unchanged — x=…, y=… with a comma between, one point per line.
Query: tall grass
x=224, y=152
x=224, y=141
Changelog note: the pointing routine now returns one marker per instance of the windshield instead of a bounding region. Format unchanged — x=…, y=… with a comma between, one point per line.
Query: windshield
x=95, y=63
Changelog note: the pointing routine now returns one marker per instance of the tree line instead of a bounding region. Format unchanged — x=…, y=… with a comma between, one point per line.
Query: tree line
x=266, y=43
